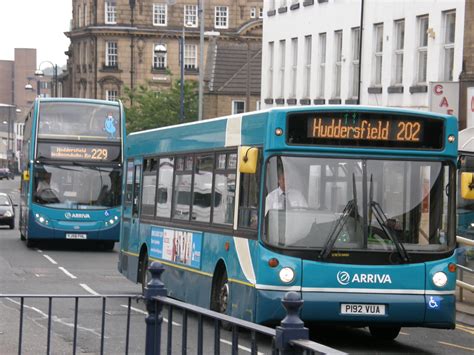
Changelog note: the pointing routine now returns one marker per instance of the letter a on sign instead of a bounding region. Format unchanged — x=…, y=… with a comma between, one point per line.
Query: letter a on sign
x=444, y=102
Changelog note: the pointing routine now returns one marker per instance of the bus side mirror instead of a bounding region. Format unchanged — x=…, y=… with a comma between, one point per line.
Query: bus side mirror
x=26, y=175
x=467, y=186
x=248, y=160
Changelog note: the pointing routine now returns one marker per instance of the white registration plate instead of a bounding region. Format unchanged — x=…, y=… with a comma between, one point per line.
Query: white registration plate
x=363, y=309
x=76, y=236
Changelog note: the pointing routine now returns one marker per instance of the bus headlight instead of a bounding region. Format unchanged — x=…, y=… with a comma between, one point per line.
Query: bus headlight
x=41, y=220
x=440, y=279
x=287, y=274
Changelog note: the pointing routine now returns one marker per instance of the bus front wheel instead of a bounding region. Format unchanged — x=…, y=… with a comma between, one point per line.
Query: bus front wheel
x=144, y=274
x=384, y=333
x=221, y=296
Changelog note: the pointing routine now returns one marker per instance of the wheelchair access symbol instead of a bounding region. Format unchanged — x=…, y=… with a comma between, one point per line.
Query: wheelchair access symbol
x=434, y=302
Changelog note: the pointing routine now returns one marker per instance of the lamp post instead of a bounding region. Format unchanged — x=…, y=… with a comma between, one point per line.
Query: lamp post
x=40, y=73
x=201, y=57
x=29, y=87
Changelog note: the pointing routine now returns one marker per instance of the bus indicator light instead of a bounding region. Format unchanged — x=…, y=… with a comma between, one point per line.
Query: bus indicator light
x=273, y=262
x=452, y=267
x=227, y=246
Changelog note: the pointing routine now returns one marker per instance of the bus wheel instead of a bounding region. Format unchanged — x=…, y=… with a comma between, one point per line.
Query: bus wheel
x=220, y=296
x=108, y=245
x=30, y=244
x=22, y=236
x=144, y=274
x=384, y=333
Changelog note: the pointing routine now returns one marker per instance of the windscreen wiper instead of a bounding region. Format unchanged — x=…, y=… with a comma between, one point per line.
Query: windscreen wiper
x=382, y=220
x=348, y=209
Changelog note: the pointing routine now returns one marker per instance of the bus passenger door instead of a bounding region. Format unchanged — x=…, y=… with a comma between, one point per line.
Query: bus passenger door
x=135, y=226
x=127, y=206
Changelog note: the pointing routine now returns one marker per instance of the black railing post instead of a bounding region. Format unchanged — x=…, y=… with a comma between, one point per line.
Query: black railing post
x=291, y=327
x=154, y=318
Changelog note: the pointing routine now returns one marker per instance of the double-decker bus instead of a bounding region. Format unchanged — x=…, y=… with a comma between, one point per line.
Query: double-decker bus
x=353, y=207
x=72, y=166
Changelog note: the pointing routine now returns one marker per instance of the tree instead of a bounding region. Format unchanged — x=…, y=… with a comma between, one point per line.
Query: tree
x=147, y=109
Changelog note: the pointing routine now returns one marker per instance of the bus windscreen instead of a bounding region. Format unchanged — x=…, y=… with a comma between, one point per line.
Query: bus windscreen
x=365, y=129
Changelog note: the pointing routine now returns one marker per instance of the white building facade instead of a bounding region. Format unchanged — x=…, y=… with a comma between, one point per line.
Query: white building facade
x=311, y=51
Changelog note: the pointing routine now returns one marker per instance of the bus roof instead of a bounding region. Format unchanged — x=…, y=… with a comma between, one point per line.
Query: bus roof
x=79, y=100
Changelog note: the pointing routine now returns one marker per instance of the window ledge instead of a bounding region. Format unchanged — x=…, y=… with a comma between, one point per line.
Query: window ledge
x=308, y=2
x=415, y=89
x=159, y=70
x=319, y=101
x=334, y=101
x=395, y=89
x=305, y=101
x=351, y=101
x=282, y=9
x=106, y=69
x=291, y=101
x=374, y=89
x=295, y=6
x=271, y=13
x=280, y=101
x=321, y=1
x=191, y=71
x=268, y=101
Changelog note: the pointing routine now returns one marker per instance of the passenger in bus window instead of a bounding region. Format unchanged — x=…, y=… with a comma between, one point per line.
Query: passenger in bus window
x=281, y=198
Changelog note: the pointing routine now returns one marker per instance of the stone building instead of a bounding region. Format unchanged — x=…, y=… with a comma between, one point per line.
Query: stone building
x=466, y=79
x=125, y=43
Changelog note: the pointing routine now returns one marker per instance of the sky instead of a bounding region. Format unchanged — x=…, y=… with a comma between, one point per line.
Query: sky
x=36, y=24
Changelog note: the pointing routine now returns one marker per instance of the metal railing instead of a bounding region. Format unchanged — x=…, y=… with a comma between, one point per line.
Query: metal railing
x=290, y=337
x=460, y=282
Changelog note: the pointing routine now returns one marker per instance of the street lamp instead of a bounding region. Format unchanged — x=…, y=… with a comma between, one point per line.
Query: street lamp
x=181, y=62
x=40, y=73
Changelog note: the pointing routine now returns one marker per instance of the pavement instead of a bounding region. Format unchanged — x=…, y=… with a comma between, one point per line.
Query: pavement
x=465, y=304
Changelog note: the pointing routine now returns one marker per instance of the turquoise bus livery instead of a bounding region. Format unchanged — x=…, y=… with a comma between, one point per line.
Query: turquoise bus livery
x=72, y=166
x=351, y=206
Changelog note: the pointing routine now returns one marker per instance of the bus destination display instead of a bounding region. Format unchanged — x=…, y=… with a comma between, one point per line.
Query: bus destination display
x=93, y=153
x=364, y=129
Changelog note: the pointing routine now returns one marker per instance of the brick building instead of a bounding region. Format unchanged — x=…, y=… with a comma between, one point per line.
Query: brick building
x=115, y=45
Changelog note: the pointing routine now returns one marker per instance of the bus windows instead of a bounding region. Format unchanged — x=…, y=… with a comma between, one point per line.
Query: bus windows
x=224, y=191
x=202, y=191
x=149, y=185
x=182, y=188
x=165, y=187
x=249, y=197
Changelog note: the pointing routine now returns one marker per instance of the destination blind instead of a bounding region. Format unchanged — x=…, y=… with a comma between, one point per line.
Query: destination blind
x=365, y=129
x=77, y=152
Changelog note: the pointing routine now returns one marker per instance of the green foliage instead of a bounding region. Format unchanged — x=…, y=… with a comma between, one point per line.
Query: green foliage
x=147, y=109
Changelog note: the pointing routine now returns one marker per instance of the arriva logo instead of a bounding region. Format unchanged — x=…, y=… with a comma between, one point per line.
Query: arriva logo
x=70, y=215
x=344, y=278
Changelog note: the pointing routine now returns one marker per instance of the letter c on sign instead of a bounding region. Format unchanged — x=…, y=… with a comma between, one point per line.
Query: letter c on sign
x=438, y=89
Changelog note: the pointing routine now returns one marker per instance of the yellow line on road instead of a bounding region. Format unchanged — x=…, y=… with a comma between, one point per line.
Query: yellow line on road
x=403, y=333
x=456, y=346
x=465, y=328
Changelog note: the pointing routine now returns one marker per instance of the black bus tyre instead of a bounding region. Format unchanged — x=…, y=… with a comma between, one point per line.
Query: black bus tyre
x=12, y=225
x=22, y=236
x=30, y=244
x=221, y=297
x=144, y=274
x=384, y=333
x=108, y=245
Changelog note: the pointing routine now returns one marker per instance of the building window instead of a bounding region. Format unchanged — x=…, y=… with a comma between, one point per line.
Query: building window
x=337, y=63
x=238, y=107
x=111, y=55
x=398, y=51
x=260, y=12
x=422, y=49
x=110, y=12
x=258, y=105
x=270, y=69
x=190, y=56
x=378, y=54
x=450, y=29
x=86, y=16
x=79, y=16
x=282, y=67
x=322, y=64
x=272, y=5
x=159, y=58
x=111, y=95
x=221, y=17
x=253, y=12
x=294, y=66
x=355, y=62
x=308, y=41
x=160, y=15
x=190, y=15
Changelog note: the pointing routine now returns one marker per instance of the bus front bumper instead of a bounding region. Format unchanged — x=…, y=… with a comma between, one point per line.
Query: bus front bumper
x=425, y=310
